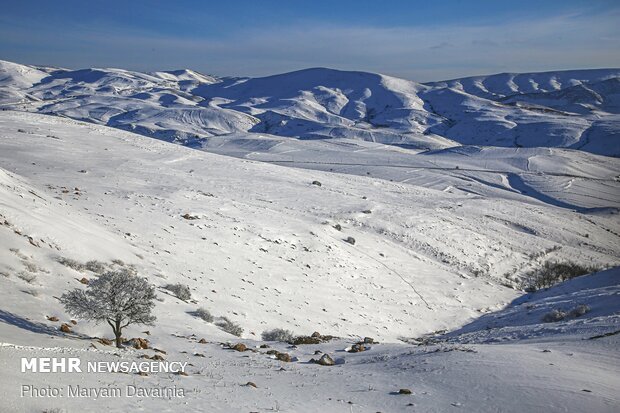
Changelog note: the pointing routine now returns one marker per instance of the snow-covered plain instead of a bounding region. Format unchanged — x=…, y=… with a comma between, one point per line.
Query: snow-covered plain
x=443, y=235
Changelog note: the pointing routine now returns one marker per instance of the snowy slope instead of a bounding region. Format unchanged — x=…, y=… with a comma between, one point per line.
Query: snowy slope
x=263, y=253
x=277, y=227
x=15, y=79
x=478, y=368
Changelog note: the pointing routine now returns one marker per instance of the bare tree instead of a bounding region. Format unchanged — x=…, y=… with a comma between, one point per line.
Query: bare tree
x=116, y=297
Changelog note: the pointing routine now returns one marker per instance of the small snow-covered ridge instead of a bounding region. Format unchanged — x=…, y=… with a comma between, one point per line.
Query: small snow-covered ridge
x=502, y=85
x=524, y=318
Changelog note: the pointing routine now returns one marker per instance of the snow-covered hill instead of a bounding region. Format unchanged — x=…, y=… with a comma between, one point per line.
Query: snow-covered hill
x=572, y=109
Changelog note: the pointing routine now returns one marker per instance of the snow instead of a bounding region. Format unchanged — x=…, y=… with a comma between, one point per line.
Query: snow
x=445, y=223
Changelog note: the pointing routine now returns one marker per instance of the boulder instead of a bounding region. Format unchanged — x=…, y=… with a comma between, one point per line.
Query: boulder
x=357, y=348
x=326, y=360
x=284, y=357
x=138, y=343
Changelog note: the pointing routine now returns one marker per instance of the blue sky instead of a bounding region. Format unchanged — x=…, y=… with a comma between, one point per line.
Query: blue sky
x=418, y=40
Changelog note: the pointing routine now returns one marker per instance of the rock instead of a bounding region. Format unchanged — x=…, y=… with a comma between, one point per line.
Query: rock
x=105, y=341
x=199, y=355
x=272, y=352
x=143, y=373
x=65, y=328
x=338, y=227
x=239, y=347
x=404, y=391
x=202, y=341
x=350, y=240
x=157, y=357
x=264, y=346
x=188, y=216
x=53, y=318
x=367, y=211
x=284, y=357
x=326, y=360
x=315, y=338
x=369, y=340
x=317, y=183
x=357, y=348
x=306, y=340
x=159, y=351
x=182, y=373
x=138, y=343
x=84, y=281
x=251, y=384
x=73, y=322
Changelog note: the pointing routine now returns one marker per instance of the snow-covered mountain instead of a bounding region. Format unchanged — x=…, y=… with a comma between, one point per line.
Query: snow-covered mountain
x=349, y=203
x=571, y=109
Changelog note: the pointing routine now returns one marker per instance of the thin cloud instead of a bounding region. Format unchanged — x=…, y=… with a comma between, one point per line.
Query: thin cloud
x=444, y=51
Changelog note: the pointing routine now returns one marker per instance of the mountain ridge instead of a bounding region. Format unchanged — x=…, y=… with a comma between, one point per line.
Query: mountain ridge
x=187, y=107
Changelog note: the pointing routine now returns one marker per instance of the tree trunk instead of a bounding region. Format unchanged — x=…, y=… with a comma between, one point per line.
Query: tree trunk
x=117, y=333
x=118, y=339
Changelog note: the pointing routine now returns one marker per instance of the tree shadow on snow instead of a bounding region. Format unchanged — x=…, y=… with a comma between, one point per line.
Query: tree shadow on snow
x=39, y=328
